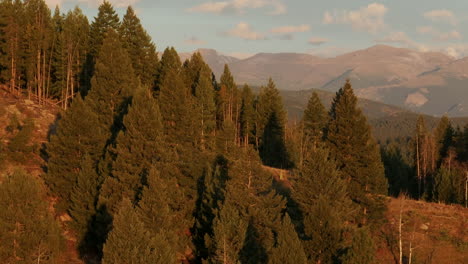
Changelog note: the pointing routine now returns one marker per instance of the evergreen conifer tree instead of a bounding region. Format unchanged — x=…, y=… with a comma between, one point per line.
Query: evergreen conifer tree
x=350, y=140
x=28, y=231
x=130, y=242
x=271, y=119
x=163, y=210
x=314, y=120
x=78, y=134
x=83, y=199
x=170, y=62
x=288, y=248
x=324, y=204
x=140, y=48
x=138, y=146
x=229, y=231
x=106, y=19
x=361, y=250
x=443, y=187
x=211, y=196
x=112, y=84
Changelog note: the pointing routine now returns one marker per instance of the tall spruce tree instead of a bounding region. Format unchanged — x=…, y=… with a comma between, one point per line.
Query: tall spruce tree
x=163, y=210
x=205, y=106
x=130, y=242
x=271, y=119
x=324, y=206
x=140, y=48
x=83, y=199
x=350, y=140
x=170, y=62
x=211, y=196
x=112, y=83
x=314, y=120
x=229, y=231
x=288, y=248
x=138, y=146
x=29, y=233
x=362, y=248
x=79, y=133
x=106, y=20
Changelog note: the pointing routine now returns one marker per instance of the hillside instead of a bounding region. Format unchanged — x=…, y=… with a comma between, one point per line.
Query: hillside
x=437, y=232
x=428, y=82
x=32, y=161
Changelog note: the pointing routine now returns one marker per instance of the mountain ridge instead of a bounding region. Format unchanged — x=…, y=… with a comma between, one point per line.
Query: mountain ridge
x=429, y=82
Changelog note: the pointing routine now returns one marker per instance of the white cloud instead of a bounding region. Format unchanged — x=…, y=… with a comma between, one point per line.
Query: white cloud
x=194, y=41
x=438, y=35
x=276, y=7
x=94, y=3
x=441, y=15
x=318, y=41
x=244, y=31
x=290, y=29
x=369, y=18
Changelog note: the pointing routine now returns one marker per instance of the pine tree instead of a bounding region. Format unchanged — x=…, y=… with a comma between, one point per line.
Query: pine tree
x=112, y=84
x=227, y=101
x=78, y=134
x=57, y=68
x=83, y=199
x=162, y=209
x=361, y=250
x=106, y=19
x=130, y=242
x=229, y=231
x=204, y=97
x=273, y=149
x=28, y=231
x=350, y=140
x=442, y=138
x=247, y=116
x=314, y=120
x=288, y=248
x=324, y=206
x=443, y=187
x=140, y=48
x=211, y=196
x=138, y=146
x=170, y=62
x=271, y=119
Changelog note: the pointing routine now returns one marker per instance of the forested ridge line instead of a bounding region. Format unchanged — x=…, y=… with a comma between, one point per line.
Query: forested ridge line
x=155, y=160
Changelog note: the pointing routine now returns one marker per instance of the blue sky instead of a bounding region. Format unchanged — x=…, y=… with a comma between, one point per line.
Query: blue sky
x=320, y=27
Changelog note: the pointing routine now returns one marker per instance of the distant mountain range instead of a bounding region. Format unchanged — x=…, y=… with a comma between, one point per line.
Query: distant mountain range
x=428, y=82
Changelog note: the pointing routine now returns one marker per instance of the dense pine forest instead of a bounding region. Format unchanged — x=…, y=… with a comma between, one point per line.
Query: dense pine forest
x=156, y=160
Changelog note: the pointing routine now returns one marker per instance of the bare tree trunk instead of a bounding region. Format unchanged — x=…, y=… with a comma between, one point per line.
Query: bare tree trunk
x=418, y=169
x=400, y=225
